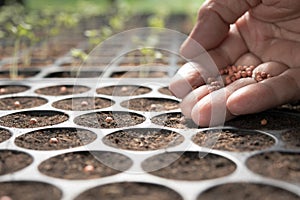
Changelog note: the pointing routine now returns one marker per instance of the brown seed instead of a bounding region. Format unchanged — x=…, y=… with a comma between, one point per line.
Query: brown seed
x=269, y=76
x=124, y=89
x=17, y=104
x=88, y=168
x=232, y=78
x=108, y=119
x=263, y=75
x=227, y=80
x=63, y=89
x=249, y=73
x=263, y=122
x=84, y=103
x=53, y=141
x=33, y=121
x=244, y=74
x=238, y=75
x=234, y=68
x=153, y=106
x=2, y=90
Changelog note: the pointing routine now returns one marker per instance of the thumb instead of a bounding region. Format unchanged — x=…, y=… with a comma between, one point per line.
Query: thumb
x=214, y=19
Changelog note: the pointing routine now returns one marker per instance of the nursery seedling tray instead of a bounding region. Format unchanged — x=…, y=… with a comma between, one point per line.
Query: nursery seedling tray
x=114, y=137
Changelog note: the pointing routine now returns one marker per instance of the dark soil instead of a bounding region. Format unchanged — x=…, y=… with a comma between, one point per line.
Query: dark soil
x=21, y=74
x=275, y=121
x=291, y=138
x=143, y=139
x=72, y=165
x=60, y=90
x=66, y=138
x=119, y=119
x=165, y=90
x=188, y=166
x=23, y=119
x=12, y=89
x=123, y=90
x=292, y=107
x=4, y=135
x=174, y=120
x=141, y=74
x=246, y=191
x=130, y=191
x=12, y=161
x=70, y=74
x=278, y=165
x=17, y=103
x=28, y=190
x=233, y=140
x=151, y=104
x=83, y=103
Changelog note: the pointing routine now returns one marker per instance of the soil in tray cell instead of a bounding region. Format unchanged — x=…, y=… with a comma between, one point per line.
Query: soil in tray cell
x=17, y=103
x=83, y=103
x=12, y=89
x=266, y=121
x=55, y=139
x=151, y=104
x=109, y=119
x=4, y=135
x=33, y=119
x=85, y=165
x=291, y=138
x=71, y=74
x=139, y=74
x=21, y=74
x=277, y=165
x=143, y=139
x=123, y=90
x=12, y=161
x=233, y=140
x=130, y=190
x=29, y=190
x=246, y=191
x=191, y=166
x=174, y=120
x=165, y=90
x=60, y=90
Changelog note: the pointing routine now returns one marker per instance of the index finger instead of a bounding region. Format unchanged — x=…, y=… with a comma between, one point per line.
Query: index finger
x=214, y=19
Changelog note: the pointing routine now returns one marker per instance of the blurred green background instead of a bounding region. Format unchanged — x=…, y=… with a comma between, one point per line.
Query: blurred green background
x=140, y=6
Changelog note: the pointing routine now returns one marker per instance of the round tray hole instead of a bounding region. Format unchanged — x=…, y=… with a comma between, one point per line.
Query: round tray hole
x=17, y=103
x=109, y=119
x=249, y=191
x=60, y=90
x=12, y=161
x=277, y=165
x=12, y=89
x=130, y=190
x=28, y=190
x=83, y=103
x=85, y=165
x=151, y=104
x=233, y=140
x=174, y=120
x=143, y=139
x=55, y=138
x=123, y=90
x=33, y=119
x=191, y=166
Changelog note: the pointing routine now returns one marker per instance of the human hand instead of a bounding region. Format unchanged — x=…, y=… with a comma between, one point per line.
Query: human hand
x=263, y=33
